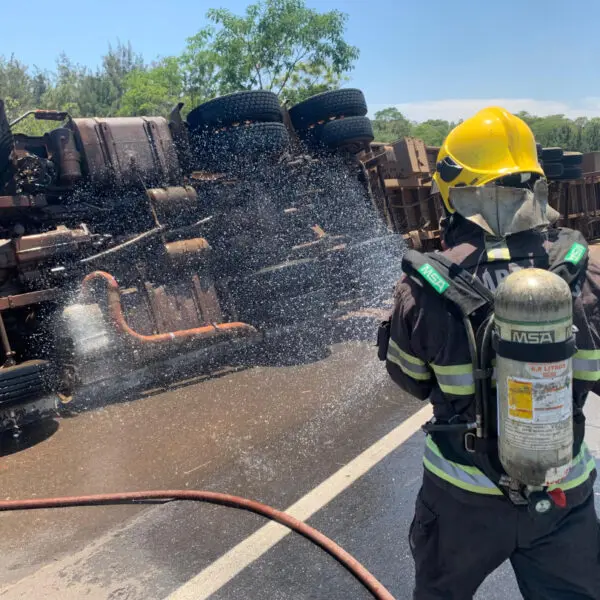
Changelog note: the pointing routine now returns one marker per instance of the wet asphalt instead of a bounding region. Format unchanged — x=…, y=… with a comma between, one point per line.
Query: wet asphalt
x=269, y=432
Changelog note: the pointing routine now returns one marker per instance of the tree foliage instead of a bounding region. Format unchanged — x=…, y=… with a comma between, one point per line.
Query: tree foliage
x=152, y=91
x=581, y=134
x=199, y=68
x=278, y=45
x=390, y=124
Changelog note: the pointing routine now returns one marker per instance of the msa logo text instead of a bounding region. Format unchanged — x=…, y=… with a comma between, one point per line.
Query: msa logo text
x=435, y=280
x=532, y=337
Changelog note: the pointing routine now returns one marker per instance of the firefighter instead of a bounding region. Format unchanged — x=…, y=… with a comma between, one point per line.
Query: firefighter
x=466, y=522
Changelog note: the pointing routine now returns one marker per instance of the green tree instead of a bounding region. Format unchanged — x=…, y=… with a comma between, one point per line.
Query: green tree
x=278, y=45
x=310, y=79
x=433, y=132
x=390, y=125
x=117, y=63
x=591, y=136
x=152, y=91
x=40, y=83
x=64, y=92
x=553, y=130
x=198, y=67
x=83, y=92
x=16, y=86
x=23, y=91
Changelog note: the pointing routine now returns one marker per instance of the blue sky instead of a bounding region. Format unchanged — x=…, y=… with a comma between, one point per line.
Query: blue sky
x=435, y=59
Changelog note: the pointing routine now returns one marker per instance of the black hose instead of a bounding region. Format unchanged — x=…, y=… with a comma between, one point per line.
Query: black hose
x=476, y=380
x=453, y=427
x=481, y=458
x=485, y=345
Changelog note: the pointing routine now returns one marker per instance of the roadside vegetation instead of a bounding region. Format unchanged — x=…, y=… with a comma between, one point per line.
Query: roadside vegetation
x=278, y=45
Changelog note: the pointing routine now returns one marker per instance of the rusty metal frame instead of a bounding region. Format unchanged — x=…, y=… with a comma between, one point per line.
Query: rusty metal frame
x=21, y=300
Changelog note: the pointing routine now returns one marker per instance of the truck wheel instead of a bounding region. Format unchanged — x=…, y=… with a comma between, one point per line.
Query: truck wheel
x=353, y=132
x=27, y=380
x=572, y=159
x=553, y=170
x=552, y=154
x=255, y=105
x=229, y=150
x=322, y=107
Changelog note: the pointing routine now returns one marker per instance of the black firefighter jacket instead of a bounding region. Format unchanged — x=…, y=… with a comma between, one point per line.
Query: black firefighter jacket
x=428, y=354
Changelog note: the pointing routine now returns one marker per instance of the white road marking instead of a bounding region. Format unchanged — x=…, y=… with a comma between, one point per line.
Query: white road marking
x=225, y=568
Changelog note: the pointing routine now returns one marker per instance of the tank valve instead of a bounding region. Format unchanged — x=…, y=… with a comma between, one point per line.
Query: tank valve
x=558, y=497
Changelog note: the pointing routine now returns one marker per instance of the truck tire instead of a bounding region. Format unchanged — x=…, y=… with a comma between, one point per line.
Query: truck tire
x=553, y=170
x=322, y=107
x=348, y=131
x=552, y=154
x=255, y=105
x=26, y=380
x=230, y=150
x=571, y=173
x=572, y=159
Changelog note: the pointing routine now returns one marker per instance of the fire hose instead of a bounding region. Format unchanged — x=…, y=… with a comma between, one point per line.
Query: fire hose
x=119, y=322
x=376, y=589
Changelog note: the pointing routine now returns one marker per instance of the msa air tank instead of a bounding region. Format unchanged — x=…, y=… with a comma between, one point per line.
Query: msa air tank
x=533, y=338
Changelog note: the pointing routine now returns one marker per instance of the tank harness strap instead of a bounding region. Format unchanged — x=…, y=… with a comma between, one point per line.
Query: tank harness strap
x=545, y=353
x=465, y=296
x=569, y=256
x=570, y=261
x=451, y=281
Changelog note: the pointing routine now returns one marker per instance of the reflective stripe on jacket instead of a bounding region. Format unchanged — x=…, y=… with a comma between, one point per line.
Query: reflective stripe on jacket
x=473, y=480
x=586, y=365
x=457, y=380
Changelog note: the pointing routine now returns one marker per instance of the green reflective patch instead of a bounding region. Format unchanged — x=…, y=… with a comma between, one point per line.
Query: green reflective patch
x=575, y=254
x=435, y=280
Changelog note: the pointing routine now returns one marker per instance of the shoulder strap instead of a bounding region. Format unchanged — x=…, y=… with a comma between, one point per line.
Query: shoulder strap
x=455, y=284
x=569, y=255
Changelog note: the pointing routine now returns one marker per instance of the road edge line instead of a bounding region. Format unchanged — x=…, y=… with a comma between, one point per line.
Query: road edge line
x=234, y=561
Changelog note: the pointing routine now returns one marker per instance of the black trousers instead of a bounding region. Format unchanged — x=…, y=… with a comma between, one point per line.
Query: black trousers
x=458, y=538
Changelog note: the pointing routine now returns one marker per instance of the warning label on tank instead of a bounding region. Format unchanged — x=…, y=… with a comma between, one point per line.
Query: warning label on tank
x=546, y=400
x=546, y=370
x=520, y=399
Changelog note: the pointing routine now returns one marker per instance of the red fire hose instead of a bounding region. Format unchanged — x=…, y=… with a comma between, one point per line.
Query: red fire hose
x=118, y=319
x=349, y=562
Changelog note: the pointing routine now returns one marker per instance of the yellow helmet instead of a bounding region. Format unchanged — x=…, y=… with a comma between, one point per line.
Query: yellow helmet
x=492, y=144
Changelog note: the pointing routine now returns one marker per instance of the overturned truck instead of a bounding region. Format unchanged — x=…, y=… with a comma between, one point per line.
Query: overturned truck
x=126, y=242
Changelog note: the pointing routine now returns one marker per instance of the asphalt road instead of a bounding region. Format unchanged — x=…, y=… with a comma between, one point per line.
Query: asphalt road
x=271, y=433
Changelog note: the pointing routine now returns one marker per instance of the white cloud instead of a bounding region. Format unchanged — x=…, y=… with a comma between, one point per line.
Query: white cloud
x=452, y=110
